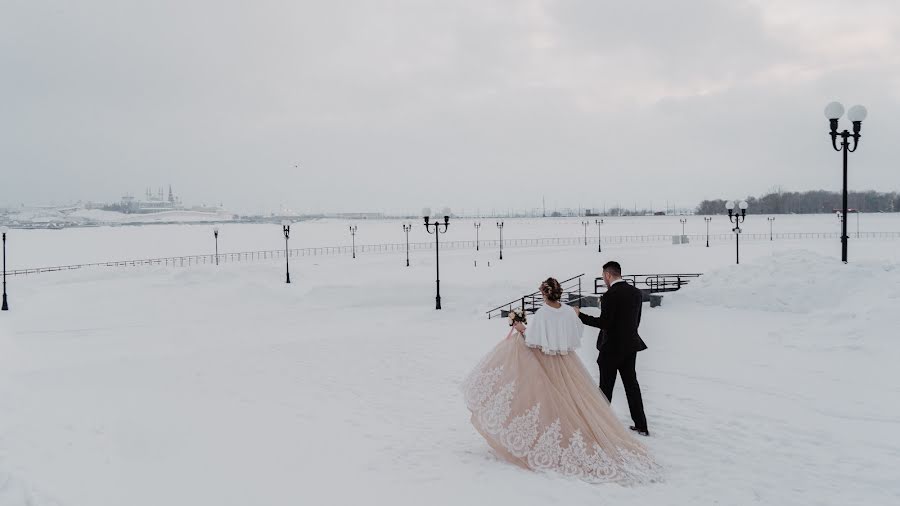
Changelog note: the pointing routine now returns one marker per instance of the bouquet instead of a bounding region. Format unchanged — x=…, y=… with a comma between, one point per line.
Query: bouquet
x=516, y=315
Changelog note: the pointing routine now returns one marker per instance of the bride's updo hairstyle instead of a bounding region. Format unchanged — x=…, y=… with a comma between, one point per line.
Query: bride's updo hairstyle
x=551, y=289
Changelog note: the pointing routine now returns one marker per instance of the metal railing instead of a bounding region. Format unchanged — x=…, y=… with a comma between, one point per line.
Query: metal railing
x=531, y=302
x=248, y=256
x=655, y=283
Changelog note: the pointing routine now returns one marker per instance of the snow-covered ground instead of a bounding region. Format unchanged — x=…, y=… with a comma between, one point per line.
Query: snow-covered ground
x=772, y=382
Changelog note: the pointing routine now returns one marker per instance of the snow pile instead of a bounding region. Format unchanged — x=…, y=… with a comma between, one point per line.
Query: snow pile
x=796, y=281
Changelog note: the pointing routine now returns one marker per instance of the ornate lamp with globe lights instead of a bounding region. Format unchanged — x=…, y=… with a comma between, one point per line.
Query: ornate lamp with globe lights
x=353, y=229
x=477, y=229
x=500, y=226
x=707, y=219
x=286, y=227
x=737, y=217
x=216, y=235
x=437, y=256
x=4, y=231
x=856, y=115
x=599, y=244
x=406, y=230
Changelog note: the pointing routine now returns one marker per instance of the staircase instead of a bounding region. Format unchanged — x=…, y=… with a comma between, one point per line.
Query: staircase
x=529, y=303
x=652, y=285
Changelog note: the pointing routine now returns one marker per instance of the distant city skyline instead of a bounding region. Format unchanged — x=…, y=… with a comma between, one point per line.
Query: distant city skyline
x=357, y=106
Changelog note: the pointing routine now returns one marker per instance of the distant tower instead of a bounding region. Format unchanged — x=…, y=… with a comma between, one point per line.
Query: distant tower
x=171, y=198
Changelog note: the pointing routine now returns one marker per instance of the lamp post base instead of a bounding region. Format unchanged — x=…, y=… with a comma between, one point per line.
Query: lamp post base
x=288, y=279
x=437, y=302
x=5, y=305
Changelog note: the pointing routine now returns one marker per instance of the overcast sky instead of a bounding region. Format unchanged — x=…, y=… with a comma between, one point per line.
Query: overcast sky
x=387, y=105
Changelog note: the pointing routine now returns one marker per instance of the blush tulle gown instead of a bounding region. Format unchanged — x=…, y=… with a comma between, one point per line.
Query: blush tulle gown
x=543, y=412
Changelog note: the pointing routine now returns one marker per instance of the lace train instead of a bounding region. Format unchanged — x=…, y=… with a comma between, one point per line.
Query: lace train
x=543, y=412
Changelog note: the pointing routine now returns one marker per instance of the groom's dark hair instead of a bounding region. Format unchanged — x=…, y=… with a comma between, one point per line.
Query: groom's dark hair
x=613, y=268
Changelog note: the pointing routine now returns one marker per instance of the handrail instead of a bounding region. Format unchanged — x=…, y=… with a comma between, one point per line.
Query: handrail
x=656, y=283
x=529, y=302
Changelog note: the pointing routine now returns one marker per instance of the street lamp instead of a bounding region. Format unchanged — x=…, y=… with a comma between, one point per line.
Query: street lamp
x=353, y=238
x=500, y=226
x=737, y=219
x=477, y=229
x=216, y=235
x=771, y=221
x=856, y=115
x=585, y=224
x=707, y=219
x=286, y=227
x=406, y=229
x=437, y=234
x=4, y=230
x=599, y=245
x=682, y=221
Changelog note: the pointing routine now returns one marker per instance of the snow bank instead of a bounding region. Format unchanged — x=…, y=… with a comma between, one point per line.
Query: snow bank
x=796, y=281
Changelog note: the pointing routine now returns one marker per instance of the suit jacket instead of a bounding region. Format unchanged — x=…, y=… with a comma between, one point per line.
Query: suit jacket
x=620, y=316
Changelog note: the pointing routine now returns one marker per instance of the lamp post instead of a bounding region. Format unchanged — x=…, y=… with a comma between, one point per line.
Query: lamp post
x=286, y=227
x=585, y=224
x=353, y=238
x=437, y=257
x=500, y=226
x=707, y=219
x=856, y=115
x=771, y=220
x=737, y=218
x=599, y=244
x=682, y=221
x=406, y=229
x=4, y=230
x=477, y=229
x=216, y=235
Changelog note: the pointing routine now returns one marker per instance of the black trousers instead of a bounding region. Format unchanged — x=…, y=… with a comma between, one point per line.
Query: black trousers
x=623, y=365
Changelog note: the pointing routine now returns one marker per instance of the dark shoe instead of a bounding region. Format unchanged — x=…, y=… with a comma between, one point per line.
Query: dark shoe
x=643, y=432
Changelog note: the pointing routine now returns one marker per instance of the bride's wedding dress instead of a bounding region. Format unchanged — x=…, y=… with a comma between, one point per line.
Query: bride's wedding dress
x=538, y=407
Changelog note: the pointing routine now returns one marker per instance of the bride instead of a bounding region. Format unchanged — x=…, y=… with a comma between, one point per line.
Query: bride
x=536, y=405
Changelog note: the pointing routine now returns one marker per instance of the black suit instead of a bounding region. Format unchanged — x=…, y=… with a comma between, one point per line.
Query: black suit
x=618, y=343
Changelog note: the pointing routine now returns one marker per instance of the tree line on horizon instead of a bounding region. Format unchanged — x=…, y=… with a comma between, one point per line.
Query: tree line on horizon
x=810, y=202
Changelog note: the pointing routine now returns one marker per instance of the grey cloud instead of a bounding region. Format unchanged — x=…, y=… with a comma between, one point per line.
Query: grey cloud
x=502, y=102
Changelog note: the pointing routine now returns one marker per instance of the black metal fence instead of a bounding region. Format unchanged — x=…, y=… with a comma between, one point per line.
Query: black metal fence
x=250, y=256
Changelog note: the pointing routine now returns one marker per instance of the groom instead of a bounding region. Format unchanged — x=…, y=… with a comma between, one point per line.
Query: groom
x=619, y=342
